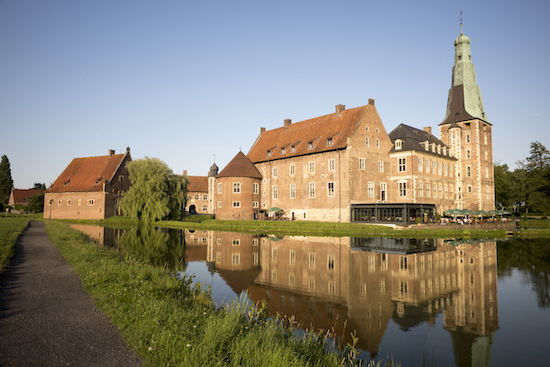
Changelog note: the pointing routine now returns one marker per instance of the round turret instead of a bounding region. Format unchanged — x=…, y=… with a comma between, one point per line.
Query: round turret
x=462, y=39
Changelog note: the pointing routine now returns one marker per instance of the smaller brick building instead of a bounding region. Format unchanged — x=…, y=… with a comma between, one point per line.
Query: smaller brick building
x=89, y=188
x=21, y=197
x=238, y=190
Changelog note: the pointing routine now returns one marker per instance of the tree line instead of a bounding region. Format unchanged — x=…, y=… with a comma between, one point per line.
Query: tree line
x=527, y=188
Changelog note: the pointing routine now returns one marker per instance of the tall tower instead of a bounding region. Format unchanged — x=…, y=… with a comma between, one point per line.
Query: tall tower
x=468, y=132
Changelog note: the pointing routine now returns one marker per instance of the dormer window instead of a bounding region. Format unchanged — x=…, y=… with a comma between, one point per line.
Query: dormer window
x=398, y=144
x=439, y=149
x=310, y=145
x=269, y=153
x=329, y=142
x=66, y=181
x=97, y=181
x=293, y=149
x=433, y=147
x=426, y=145
x=283, y=151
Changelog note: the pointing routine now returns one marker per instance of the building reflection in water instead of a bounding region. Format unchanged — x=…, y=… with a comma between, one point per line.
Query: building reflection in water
x=347, y=284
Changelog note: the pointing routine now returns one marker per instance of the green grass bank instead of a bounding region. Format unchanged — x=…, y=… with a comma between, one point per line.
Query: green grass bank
x=170, y=322
x=10, y=229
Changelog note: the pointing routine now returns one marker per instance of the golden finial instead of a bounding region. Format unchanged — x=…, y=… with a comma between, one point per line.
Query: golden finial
x=461, y=22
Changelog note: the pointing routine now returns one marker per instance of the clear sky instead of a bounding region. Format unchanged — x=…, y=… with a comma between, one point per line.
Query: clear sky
x=185, y=81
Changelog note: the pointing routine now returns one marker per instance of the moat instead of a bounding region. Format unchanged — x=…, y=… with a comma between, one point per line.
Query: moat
x=420, y=301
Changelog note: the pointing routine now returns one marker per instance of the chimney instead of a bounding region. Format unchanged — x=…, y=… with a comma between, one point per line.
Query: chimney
x=428, y=129
x=185, y=172
x=262, y=130
x=339, y=109
x=288, y=122
x=111, y=153
x=371, y=102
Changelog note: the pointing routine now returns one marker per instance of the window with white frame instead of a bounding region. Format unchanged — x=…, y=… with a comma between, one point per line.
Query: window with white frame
x=331, y=164
x=361, y=163
x=380, y=166
x=330, y=189
x=283, y=151
x=329, y=142
x=398, y=144
x=402, y=189
x=434, y=190
x=439, y=171
x=310, y=145
x=402, y=164
x=268, y=153
x=486, y=171
x=434, y=167
x=440, y=187
x=275, y=192
x=255, y=188
x=292, y=170
x=293, y=149
x=421, y=189
x=445, y=169
x=370, y=191
x=450, y=170
x=293, y=191
x=420, y=165
x=205, y=197
x=236, y=204
x=427, y=166
x=90, y=202
x=311, y=167
x=312, y=189
x=445, y=190
x=219, y=204
x=255, y=204
x=275, y=171
x=236, y=187
x=197, y=196
x=428, y=193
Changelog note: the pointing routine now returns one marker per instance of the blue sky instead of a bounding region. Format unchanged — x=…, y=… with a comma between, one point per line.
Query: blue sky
x=186, y=81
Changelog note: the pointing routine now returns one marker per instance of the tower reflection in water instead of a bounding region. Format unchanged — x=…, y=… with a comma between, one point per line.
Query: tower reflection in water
x=347, y=284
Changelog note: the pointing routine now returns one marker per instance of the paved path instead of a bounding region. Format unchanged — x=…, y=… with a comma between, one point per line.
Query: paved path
x=46, y=317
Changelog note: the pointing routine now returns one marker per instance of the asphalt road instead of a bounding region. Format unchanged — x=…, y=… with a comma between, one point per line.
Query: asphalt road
x=46, y=317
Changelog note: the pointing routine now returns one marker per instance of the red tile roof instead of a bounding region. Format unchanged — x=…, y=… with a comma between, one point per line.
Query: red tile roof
x=240, y=166
x=87, y=174
x=23, y=195
x=197, y=184
x=317, y=130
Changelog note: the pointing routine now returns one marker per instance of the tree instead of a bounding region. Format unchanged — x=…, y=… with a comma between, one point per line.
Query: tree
x=503, y=186
x=39, y=186
x=537, y=166
x=6, y=181
x=36, y=203
x=155, y=192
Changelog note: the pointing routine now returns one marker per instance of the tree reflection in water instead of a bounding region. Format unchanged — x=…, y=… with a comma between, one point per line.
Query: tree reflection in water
x=157, y=247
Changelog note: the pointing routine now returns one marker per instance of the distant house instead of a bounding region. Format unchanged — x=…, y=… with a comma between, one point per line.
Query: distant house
x=21, y=197
x=89, y=188
x=200, y=192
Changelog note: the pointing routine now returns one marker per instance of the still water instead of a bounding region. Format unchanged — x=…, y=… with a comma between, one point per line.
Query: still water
x=423, y=302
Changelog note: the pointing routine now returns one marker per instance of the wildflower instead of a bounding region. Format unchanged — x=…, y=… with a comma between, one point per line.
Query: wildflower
x=188, y=345
x=150, y=348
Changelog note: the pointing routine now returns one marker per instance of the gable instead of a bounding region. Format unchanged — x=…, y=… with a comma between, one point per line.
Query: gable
x=240, y=166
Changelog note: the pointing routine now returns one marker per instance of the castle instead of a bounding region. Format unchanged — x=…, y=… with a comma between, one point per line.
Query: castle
x=345, y=167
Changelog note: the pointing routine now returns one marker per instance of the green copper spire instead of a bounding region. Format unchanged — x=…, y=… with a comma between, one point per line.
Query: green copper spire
x=464, y=102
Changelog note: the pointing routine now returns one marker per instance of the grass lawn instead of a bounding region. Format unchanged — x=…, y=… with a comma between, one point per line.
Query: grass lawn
x=170, y=322
x=10, y=228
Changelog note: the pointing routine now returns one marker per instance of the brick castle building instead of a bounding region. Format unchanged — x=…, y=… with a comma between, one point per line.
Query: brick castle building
x=344, y=166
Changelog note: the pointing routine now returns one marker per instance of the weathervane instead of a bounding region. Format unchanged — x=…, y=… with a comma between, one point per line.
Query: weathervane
x=461, y=22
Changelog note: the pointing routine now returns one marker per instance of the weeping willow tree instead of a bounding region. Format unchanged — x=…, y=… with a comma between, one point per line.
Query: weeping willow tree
x=156, y=192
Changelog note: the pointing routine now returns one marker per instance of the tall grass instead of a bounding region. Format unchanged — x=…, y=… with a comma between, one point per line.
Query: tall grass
x=10, y=228
x=171, y=322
